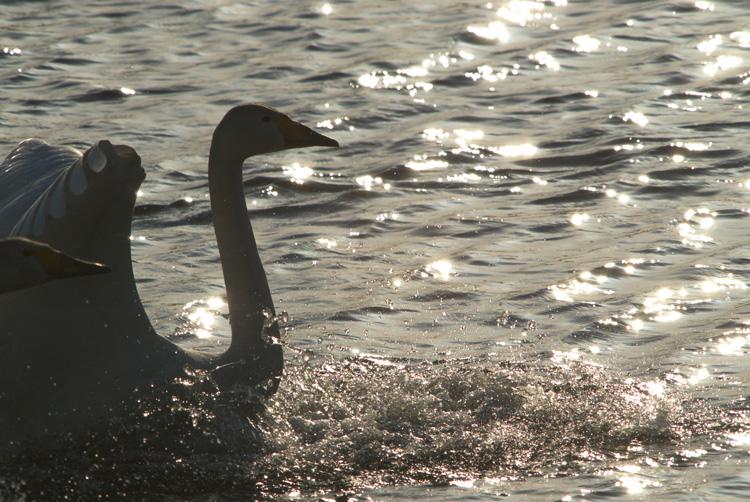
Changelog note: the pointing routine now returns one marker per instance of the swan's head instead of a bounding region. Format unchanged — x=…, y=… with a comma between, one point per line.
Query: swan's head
x=25, y=263
x=254, y=129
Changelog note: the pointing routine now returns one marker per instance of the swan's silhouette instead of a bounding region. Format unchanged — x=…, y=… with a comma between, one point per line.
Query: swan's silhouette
x=25, y=263
x=72, y=350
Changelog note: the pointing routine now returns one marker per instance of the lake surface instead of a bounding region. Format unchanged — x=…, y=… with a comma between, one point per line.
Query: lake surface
x=523, y=276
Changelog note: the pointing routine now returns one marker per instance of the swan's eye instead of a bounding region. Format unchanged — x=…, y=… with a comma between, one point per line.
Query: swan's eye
x=266, y=118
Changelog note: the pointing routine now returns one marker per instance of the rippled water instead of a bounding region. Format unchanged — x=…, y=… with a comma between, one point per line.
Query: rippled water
x=523, y=275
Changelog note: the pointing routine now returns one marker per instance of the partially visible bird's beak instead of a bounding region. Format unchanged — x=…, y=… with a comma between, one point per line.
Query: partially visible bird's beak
x=298, y=135
x=60, y=266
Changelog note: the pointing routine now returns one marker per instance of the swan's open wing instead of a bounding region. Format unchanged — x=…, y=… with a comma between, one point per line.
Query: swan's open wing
x=70, y=350
x=25, y=174
x=79, y=204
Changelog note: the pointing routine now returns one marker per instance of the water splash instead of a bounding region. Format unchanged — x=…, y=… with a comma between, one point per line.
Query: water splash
x=344, y=427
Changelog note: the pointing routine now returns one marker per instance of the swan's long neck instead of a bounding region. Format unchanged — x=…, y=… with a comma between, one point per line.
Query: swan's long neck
x=248, y=294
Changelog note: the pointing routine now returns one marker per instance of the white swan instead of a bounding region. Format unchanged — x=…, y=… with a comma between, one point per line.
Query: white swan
x=71, y=350
x=25, y=263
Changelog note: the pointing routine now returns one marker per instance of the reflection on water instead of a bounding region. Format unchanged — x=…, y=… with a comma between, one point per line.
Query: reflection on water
x=199, y=318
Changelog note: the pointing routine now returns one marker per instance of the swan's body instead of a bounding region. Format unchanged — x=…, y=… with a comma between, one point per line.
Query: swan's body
x=25, y=263
x=77, y=348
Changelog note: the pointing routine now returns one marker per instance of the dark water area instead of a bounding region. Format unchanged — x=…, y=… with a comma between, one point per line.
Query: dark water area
x=524, y=274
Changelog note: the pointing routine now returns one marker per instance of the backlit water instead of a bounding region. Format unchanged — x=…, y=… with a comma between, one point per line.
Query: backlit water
x=523, y=276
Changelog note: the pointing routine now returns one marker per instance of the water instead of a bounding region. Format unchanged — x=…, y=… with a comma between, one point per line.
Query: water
x=523, y=276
